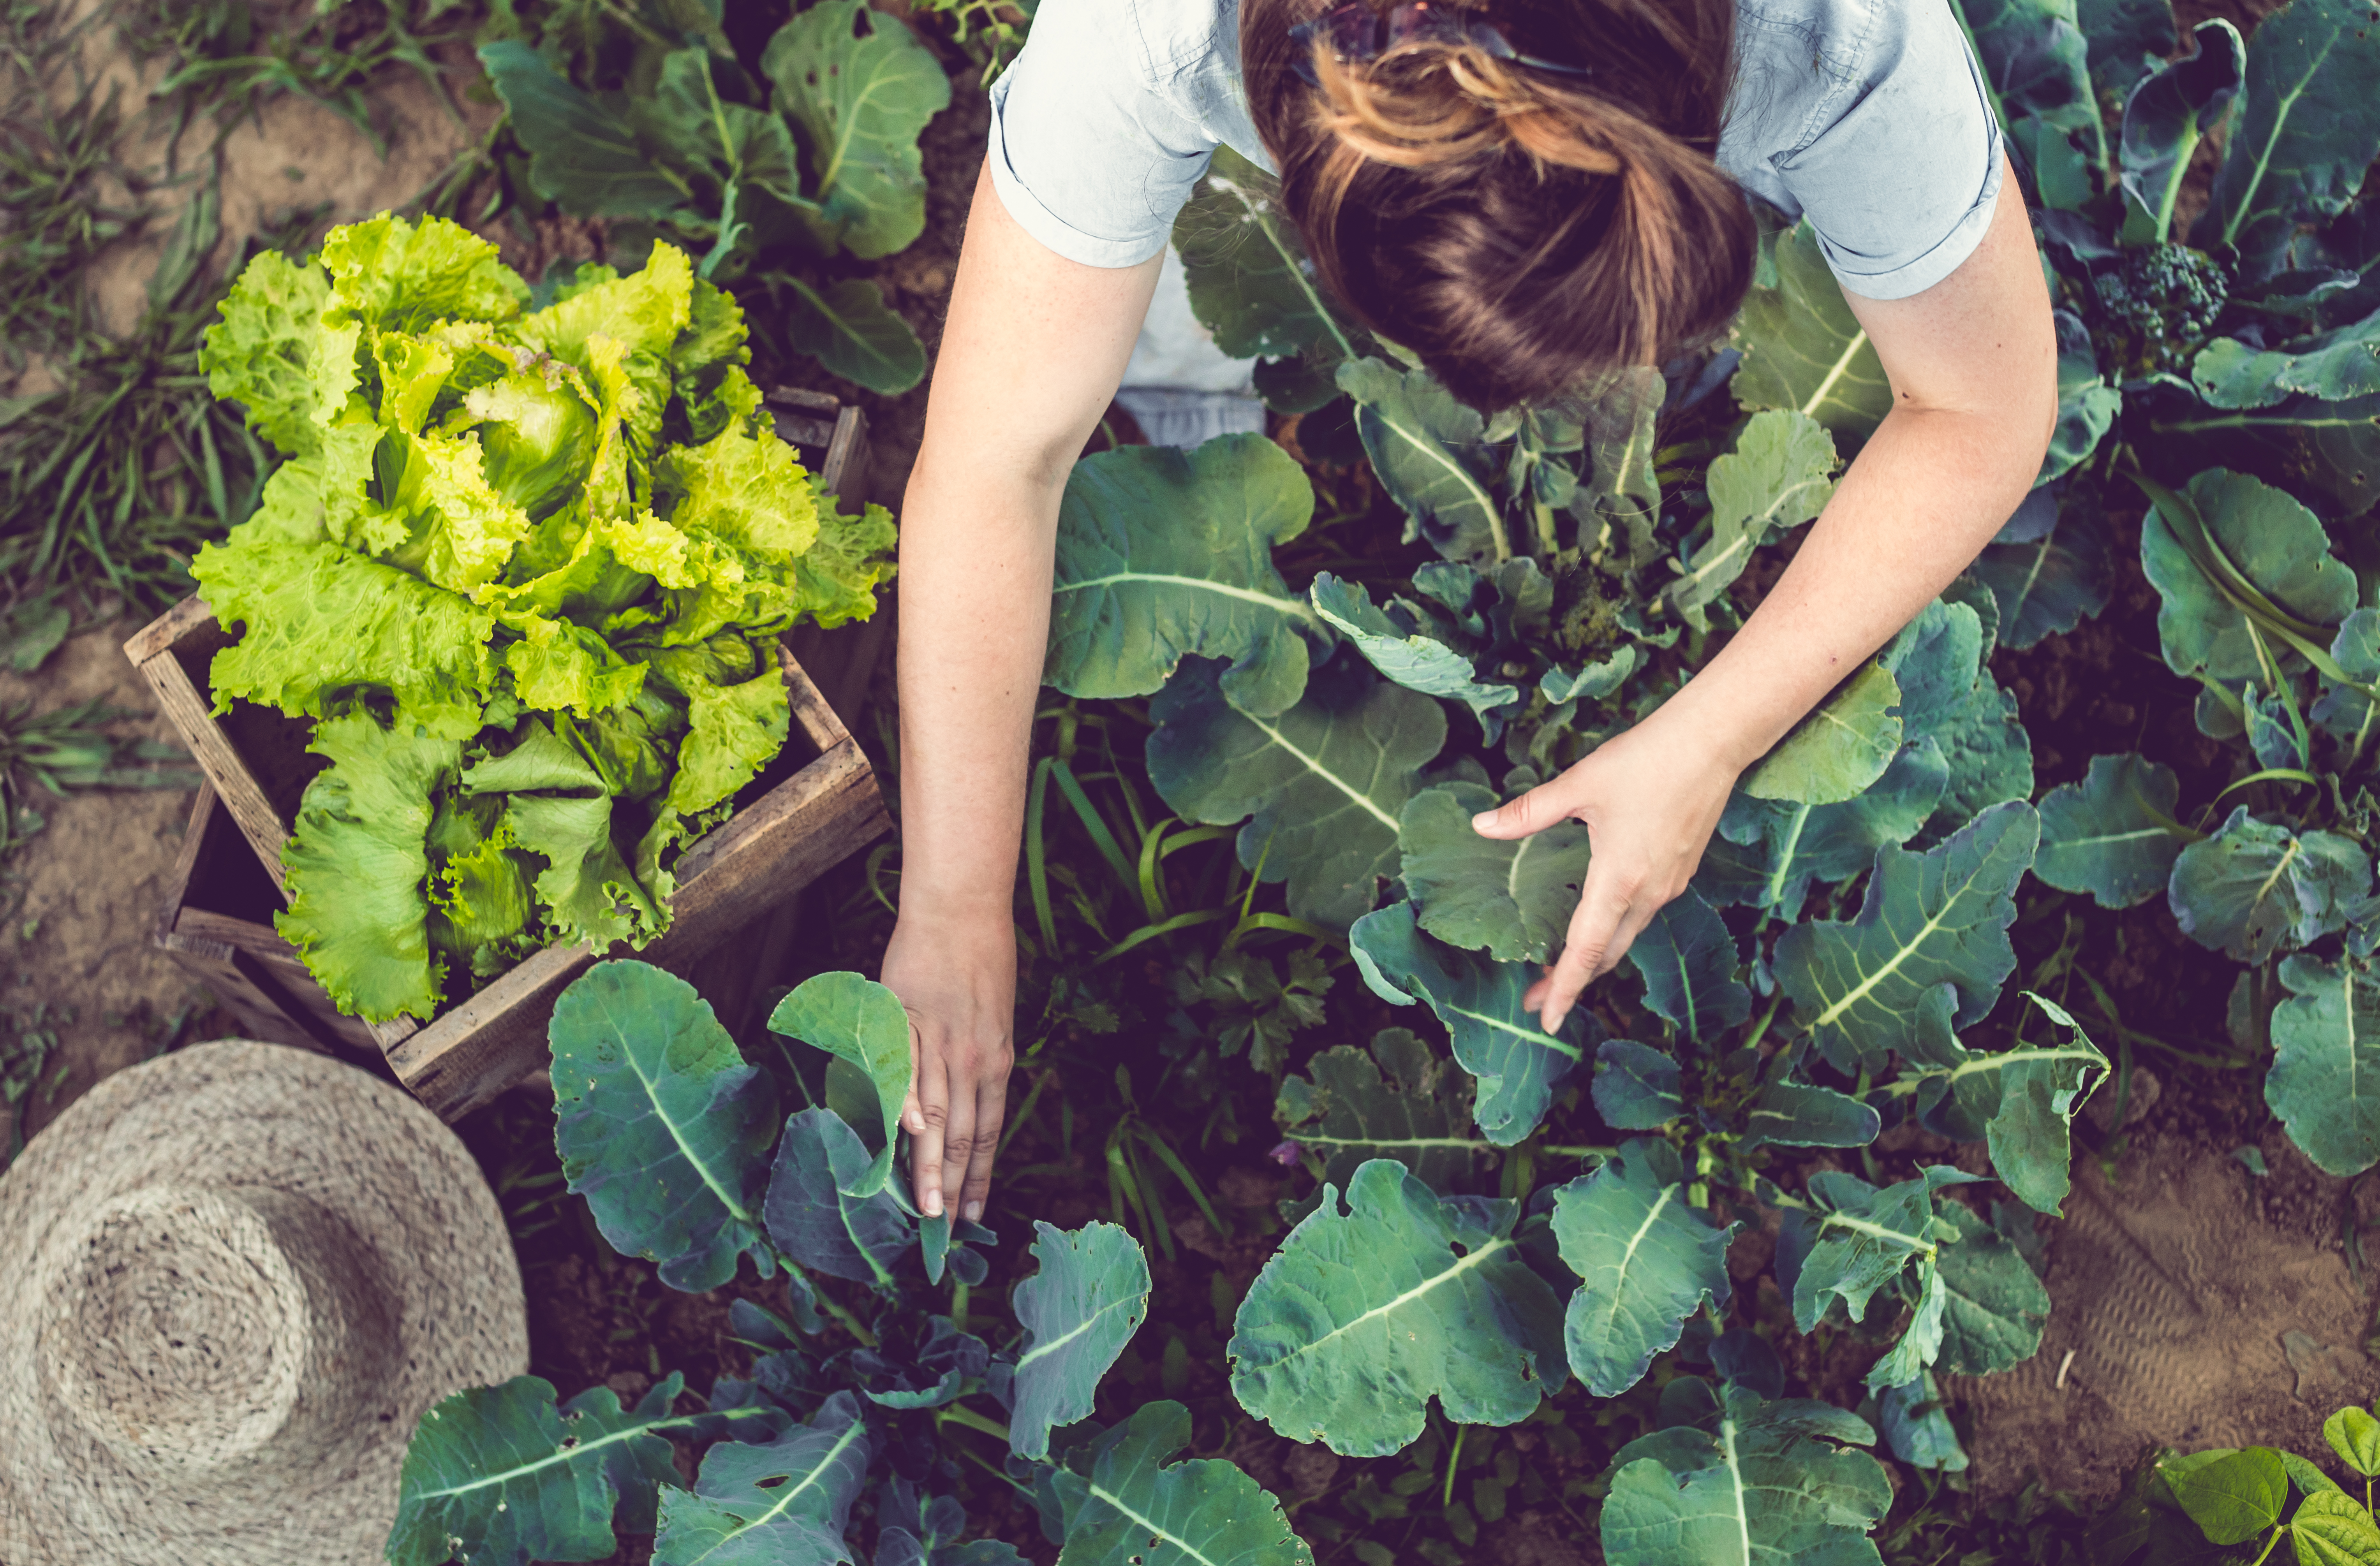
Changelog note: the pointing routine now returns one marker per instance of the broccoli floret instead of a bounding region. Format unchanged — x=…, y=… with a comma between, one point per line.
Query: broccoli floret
x=2168, y=296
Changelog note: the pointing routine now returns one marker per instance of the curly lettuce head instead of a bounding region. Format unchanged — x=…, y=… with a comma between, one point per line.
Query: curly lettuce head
x=530, y=560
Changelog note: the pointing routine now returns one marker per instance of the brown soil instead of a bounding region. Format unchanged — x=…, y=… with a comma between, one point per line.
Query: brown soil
x=78, y=902
x=2195, y=1304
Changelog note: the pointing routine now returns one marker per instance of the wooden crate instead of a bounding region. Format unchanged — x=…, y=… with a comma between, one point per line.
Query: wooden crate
x=816, y=803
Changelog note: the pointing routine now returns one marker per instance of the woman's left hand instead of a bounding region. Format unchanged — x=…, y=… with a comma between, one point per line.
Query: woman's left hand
x=1650, y=797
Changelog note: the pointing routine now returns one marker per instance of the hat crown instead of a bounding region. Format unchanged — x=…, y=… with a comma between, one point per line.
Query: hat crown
x=204, y=1329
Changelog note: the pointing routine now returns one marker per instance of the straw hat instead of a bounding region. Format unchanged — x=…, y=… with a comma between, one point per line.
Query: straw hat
x=231, y=1280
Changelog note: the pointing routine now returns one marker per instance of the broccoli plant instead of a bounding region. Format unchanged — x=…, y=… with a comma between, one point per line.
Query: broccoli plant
x=1835, y=970
x=806, y=150
x=678, y=1147
x=2248, y=338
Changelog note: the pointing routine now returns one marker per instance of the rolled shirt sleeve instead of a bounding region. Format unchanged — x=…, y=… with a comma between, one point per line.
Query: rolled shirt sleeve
x=1086, y=155
x=1899, y=183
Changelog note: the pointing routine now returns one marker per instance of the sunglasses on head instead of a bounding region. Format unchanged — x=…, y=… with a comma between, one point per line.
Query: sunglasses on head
x=1357, y=34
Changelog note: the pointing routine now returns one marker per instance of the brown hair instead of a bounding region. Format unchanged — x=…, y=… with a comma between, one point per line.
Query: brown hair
x=1522, y=230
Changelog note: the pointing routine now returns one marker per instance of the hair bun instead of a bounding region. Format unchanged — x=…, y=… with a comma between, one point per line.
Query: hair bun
x=1522, y=228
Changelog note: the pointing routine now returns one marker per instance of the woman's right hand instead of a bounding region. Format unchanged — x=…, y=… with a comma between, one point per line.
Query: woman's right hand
x=956, y=977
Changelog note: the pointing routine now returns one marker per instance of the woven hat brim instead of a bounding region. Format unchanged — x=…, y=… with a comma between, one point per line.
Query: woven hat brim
x=240, y=1113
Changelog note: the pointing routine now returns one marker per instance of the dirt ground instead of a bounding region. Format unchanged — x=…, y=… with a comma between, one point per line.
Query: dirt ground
x=2195, y=1303
x=81, y=898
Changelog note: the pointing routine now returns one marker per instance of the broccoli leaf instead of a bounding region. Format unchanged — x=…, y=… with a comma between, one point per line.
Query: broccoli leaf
x=1803, y=350
x=581, y=156
x=1513, y=898
x=2087, y=405
x=1751, y=1482
x=1080, y=1309
x=502, y=1474
x=2324, y=1082
x=2331, y=366
x=2022, y=1100
x=1320, y=785
x=849, y=329
x=781, y=1502
x=1839, y=749
x=811, y=1220
x=1778, y=476
x=1518, y=1064
x=2255, y=887
x=860, y=86
x=1688, y=963
x=1429, y=451
x=2237, y=563
x=2306, y=129
x=1163, y=553
x=1416, y=661
x=659, y=1124
x=1120, y=1503
x=1645, y=1261
x=861, y=1021
x=1794, y=845
x=2114, y=834
x=1251, y=284
x=2049, y=584
x=1361, y=1316
x=1399, y=1102
x=2165, y=116
x=1930, y=919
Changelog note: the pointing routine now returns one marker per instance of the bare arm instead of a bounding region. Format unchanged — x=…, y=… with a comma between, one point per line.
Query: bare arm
x=1974, y=367
x=1030, y=357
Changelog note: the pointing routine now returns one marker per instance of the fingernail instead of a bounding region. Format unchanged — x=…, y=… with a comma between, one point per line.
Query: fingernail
x=1482, y=820
x=933, y=1204
x=973, y=1212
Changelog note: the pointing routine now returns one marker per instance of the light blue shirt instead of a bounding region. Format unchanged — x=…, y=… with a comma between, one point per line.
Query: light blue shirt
x=1867, y=115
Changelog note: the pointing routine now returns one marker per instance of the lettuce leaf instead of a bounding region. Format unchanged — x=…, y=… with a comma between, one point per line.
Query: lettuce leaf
x=565, y=538
x=318, y=619
x=393, y=276
x=835, y=579
x=458, y=530
x=539, y=759
x=480, y=904
x=536, y=434
x=644, y=312
x=749, y=493
x=274, y=352
x=558, y=666
x=733, y=731
x=357, y=862
x=585, y=880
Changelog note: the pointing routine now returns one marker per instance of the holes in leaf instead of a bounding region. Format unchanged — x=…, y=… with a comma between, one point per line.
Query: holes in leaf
x=1458, y=1247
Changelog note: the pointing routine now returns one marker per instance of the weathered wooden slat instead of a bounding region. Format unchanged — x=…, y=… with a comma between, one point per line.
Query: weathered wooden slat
x=236, y=788
x=167, y=629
